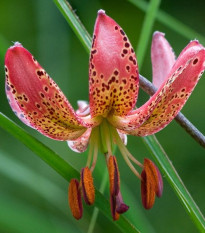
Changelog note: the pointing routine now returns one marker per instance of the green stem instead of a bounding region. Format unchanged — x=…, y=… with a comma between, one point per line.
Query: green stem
x=147, y=30
x=170, y=22
x=60, y=166
x=175, y=181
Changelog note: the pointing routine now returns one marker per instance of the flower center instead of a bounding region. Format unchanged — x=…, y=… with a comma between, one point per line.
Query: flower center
x=104, y=138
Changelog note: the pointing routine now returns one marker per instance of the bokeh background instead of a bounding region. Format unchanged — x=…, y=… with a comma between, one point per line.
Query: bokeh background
x=33, y=197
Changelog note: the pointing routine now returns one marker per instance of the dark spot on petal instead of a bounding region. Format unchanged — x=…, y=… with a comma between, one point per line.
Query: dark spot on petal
x=125, y=51
x=127, y=45
x=116, y=72
x=195, y=61
x=122, y=32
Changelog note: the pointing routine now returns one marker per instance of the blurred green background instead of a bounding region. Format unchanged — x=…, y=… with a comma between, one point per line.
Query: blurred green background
x=33, y=197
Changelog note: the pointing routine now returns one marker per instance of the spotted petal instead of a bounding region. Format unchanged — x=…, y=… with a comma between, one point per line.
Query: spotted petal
x=80, y=144
x=37, y=99
x=113, y=74
x=165, y=104
x=163, y=58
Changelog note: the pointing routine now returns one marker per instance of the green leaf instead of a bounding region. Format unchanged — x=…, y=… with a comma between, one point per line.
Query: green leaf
x=61, y=167
x=175, y=181
x=170, y=22
x=146, y=30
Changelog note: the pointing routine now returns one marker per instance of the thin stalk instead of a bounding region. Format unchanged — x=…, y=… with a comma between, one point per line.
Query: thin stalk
x=175, y=181
x=147, y=30
x=96, y=210
x=90, y=153
x=171, y=22
x=95, y=156
x=123, y=152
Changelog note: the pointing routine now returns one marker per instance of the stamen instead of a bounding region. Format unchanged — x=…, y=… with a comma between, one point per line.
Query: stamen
x=134, y=159
x=74, y=199
x=90, y=153
x=93, y=151
x=113, y=175
x=121, y=207
x=124, y=152
x=95, y=156
x=88, y=189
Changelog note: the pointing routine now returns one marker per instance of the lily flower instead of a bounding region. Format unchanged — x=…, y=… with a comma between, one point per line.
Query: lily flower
x=111, y=113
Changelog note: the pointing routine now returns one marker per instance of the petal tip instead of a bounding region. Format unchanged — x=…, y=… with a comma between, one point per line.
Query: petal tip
x=157, y=33
x=101, y=12
x=16, y=44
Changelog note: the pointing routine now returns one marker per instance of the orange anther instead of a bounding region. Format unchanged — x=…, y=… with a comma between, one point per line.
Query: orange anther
x=74, y=199
x=113, y=175
x=87, y=186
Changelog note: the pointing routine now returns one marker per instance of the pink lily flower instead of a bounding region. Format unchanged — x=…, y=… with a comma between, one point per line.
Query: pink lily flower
x=111, y=113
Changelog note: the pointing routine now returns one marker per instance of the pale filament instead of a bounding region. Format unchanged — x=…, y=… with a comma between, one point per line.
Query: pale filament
x=95, y=156
x=124, y=153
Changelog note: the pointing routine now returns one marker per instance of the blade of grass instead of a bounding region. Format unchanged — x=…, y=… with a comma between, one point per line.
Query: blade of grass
x=175, y=181
x=171, y=22
x=196, y=215
x=20, y=217
x=74, y=23
x=61, y=167
x=96, y=210
x=22, y=175
x=4, y=46
x=146, y=30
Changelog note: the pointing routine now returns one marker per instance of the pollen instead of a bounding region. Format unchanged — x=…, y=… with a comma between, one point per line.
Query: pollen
x=74, y=199
x=88, y=189
x=114, y=175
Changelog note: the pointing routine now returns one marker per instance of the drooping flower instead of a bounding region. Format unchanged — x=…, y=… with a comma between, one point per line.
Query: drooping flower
x=111, y=113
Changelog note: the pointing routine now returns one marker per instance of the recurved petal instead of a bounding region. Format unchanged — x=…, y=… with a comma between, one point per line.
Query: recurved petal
x=113, y=74
x=165, y=104
x=37, y=99
x=162, y=57
x=80, y=144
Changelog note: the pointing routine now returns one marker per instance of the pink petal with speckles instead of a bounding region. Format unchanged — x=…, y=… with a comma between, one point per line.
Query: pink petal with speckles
x=162, y=57
x=113, y=74
x=80, y=145
x=174, y=92
x=165, y=104
x=37, y=99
